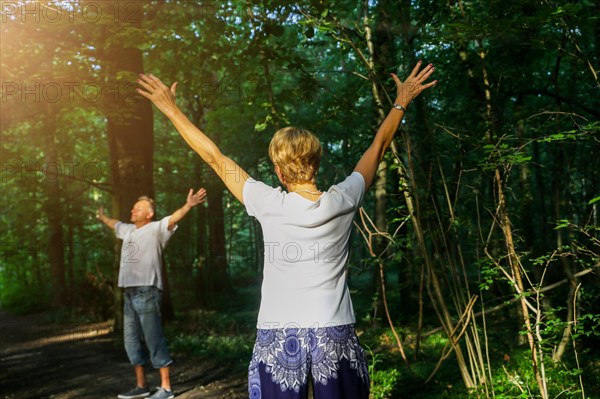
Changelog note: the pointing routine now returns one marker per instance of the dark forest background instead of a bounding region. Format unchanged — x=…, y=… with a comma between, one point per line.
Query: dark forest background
x=475, y=258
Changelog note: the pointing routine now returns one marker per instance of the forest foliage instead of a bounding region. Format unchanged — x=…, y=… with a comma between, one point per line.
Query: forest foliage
x=475, y=257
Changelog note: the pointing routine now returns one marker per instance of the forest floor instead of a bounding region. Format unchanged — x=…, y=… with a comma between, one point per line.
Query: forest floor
x=40, y=359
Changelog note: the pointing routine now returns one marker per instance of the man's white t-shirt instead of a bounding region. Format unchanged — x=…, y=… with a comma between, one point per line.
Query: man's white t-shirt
x=141, y=252
x=306, y=249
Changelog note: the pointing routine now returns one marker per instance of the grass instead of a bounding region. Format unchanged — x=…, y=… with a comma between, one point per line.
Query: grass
x=224, y=333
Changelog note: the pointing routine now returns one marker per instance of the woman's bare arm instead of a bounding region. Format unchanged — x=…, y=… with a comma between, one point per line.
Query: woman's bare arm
x=406, y=92
x=163, y=98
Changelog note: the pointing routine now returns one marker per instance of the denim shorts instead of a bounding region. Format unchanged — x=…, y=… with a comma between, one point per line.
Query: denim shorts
x=283, y=358
x=142, y=322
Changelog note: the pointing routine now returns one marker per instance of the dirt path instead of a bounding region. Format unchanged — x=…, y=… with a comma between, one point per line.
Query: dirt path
x=40, y=360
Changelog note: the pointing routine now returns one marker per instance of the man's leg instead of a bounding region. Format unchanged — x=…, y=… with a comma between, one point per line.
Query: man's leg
x=140, y=376
x=165, y=380
x=148, y=309
x=133, y=347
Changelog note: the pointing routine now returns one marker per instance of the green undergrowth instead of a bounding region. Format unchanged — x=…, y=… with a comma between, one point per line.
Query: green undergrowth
x=226, y=333
x=509, y=373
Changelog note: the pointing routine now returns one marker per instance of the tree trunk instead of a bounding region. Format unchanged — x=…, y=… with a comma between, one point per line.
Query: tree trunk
x=200, y=260
x=506, y=226
x=204, y=280
x=217, y=261
x=167, y=311
x=131, y=143
x=54, y=211
x=379, y=185
x=70, y=273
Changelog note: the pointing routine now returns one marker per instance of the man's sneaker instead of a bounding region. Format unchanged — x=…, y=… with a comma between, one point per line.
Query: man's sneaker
x=162, y=394
x=136, y=392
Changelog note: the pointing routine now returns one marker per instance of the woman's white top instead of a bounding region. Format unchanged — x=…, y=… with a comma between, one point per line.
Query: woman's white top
x=306, y=249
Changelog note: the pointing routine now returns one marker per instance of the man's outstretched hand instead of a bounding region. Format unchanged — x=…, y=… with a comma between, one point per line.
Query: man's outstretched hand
x=100, y=212
x=196, y=198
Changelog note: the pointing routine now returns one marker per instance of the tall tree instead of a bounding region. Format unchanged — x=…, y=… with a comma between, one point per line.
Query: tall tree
x=129, y=122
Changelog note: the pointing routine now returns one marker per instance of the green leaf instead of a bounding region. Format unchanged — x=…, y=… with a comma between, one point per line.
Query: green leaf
x=260, y=126
x=594, y=200
x=562, y=224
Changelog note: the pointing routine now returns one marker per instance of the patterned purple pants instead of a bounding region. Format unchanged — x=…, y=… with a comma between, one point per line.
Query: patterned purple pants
x=283, y=358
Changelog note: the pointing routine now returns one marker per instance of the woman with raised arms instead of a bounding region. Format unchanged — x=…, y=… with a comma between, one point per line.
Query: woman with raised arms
x=306, y=320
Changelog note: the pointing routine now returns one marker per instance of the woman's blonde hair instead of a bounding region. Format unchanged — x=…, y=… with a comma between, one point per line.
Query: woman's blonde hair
x=297, y=152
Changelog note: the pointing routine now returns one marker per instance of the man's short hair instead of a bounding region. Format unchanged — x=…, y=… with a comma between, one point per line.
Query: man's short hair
x=297, y=152
x=149, y=200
